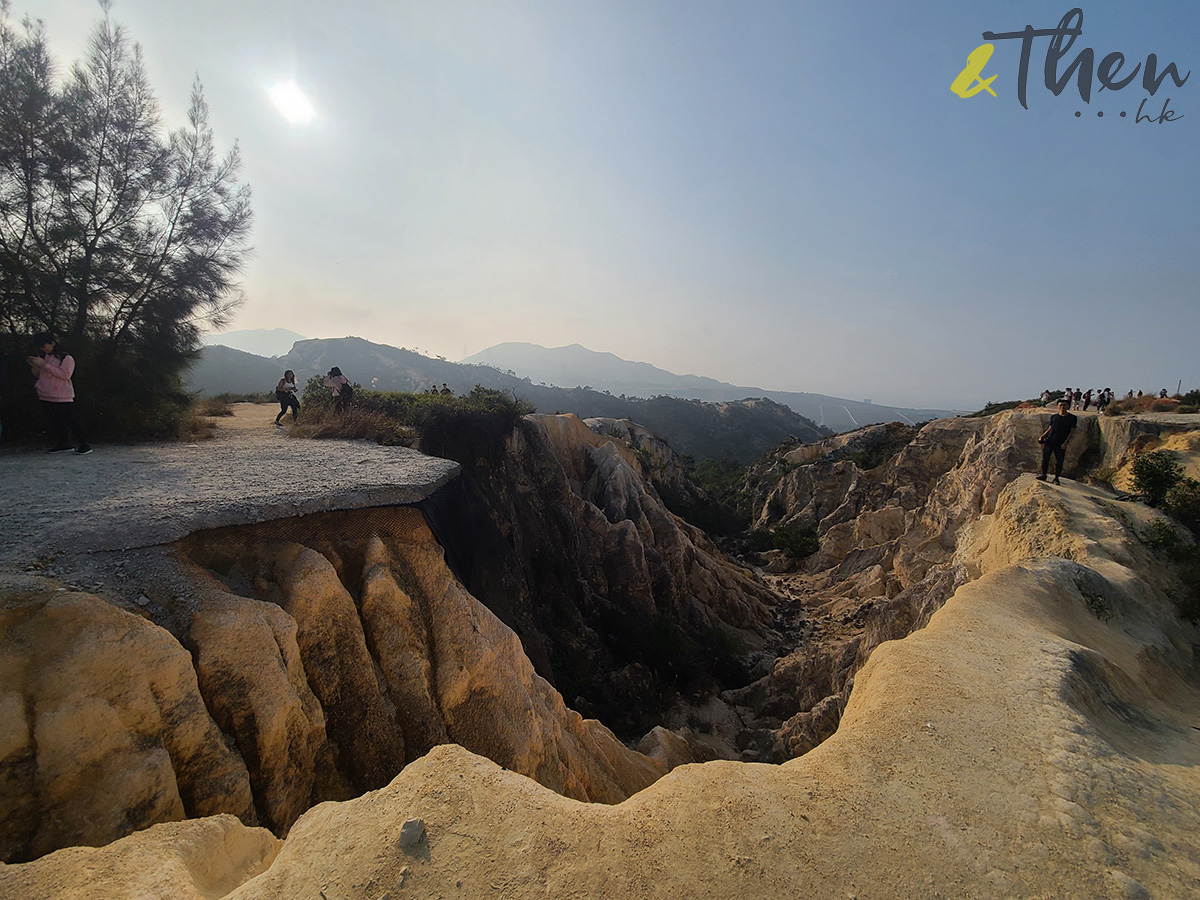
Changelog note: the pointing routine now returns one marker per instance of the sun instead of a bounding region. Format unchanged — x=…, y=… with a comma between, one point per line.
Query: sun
x=292, y=103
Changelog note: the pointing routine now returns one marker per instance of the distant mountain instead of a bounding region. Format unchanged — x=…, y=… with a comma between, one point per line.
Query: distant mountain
x=576, y=365
x=259, y=341
x=743, y=428
x=224, y=370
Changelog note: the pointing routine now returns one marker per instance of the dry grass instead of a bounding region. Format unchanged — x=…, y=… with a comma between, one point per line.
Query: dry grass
x=354, y=423
x=212, y=407
x=1143, y=405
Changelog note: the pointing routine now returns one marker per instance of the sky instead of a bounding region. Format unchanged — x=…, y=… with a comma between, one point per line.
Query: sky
x=779, y=194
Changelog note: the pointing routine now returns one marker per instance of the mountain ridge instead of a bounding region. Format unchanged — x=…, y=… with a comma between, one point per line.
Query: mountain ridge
x=743, y=428
x=574, y=364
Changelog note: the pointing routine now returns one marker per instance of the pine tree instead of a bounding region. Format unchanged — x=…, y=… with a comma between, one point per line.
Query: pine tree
x=123, y=240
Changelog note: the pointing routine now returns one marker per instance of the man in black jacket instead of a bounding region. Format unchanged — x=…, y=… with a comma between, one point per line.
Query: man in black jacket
x=1054, y=440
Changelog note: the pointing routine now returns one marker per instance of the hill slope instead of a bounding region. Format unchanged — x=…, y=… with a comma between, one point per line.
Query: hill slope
x=577, y=365
x=741, y=428
x=261, y=341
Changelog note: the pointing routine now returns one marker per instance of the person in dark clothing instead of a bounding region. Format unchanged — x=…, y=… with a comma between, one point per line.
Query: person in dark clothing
x=285, y=393
x=1054, y=440
x=343, y=391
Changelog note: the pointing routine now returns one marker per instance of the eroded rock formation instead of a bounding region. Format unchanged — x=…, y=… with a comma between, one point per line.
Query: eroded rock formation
x=325, y=653
x=104, y=727
x=893, y=507
x=613, y=596
x=1035, y=739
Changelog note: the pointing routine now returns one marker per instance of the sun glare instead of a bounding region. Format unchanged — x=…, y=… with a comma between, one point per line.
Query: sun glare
x=291, y=102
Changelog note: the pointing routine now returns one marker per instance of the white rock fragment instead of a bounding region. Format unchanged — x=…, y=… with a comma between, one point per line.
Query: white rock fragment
x=411, y=832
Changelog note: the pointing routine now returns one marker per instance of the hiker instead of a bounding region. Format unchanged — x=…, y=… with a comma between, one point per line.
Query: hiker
x=53, y=369
x=1054, y=439
x=343, y=393
x=1046, y=396
x=1162, y=395
x=446, y=392
x=1067, y=395
x=285, y=393
x=1087, y=399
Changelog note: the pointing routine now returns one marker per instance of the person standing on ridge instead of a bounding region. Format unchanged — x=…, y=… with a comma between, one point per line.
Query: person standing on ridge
x=343, y=393
x=1054, y=440
x=285, y=393
x=53, y=369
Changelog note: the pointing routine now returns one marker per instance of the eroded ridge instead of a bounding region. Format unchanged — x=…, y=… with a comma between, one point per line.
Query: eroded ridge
x=322, y=655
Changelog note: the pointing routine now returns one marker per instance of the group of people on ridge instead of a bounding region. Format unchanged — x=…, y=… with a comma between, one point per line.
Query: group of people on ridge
x=285, y=393
x=1080, y=399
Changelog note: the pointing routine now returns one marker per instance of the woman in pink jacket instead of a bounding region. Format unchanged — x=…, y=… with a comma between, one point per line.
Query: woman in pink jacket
x=54, y=370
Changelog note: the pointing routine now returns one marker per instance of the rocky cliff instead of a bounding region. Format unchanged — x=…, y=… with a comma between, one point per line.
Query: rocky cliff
x=266, y=668
x=1036, y=737
x=618, y=602
x=892, y=505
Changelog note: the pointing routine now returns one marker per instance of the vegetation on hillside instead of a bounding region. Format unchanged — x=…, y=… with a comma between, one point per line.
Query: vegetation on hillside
x=464, y=428
x=1181, y=403
x=991, y=408
x=1159, y=478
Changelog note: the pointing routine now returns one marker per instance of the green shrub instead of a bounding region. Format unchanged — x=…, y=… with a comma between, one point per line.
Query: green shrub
x=1164, y=538
x=794, y=541
x=463, y=428
x=1154, y=474
x=1161, y=536
x=991, y=408
x=1183, y=502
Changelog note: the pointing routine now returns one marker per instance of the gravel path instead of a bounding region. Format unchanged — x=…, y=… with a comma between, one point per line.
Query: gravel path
x=124, y=497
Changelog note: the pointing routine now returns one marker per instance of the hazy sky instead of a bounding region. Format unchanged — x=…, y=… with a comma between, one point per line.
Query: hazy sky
x=783, y=194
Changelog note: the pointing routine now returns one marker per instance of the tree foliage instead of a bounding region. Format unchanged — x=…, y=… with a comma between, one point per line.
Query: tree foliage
x=1154, y=474
x=122, y=239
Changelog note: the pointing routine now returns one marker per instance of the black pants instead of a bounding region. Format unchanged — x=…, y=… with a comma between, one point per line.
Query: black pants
x=1060, y=453
x=62, y=419
x=287, y=400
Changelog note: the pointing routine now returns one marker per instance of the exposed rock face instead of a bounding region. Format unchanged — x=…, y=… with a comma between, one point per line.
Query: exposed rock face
x=1035, y=739
x=607, y=589
x=891, y=541
x=401, y=658
x=104, y=728
x=326, y=652
x=255, y=682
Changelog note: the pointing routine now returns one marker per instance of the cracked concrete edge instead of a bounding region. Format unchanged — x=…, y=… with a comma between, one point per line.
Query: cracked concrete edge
x=177, y=527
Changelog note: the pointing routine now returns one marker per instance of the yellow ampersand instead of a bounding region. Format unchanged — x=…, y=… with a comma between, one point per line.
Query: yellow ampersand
x=968, y=83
